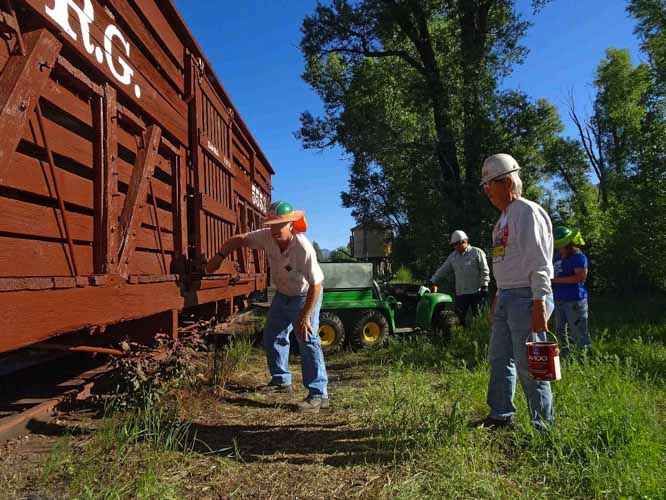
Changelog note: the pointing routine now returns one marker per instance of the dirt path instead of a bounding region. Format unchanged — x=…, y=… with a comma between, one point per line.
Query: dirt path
x=281, y=453
x=250, y=444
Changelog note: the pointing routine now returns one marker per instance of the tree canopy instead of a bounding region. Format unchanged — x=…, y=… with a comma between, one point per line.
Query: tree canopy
x=411, y=92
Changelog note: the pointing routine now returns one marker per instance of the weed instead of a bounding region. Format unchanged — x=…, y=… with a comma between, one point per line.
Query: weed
x=225, y=359
x=404, y=275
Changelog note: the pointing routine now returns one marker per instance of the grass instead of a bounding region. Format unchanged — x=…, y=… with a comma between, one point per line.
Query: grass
x=609, y=439
x=413, y=402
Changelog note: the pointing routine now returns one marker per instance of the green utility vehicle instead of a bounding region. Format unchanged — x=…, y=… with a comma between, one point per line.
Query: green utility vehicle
x=358, y=312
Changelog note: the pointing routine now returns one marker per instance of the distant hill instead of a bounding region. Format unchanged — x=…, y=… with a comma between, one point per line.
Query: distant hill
x=325, y=253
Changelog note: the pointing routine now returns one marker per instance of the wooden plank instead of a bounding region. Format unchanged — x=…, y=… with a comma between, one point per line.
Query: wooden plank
x=20, y=217
x=63, y=141
x=32, y=175
x=33, y=316
x=180, y=204
x=163, y=192
x=214, y=153
x=216, y=100
x=135, y=202
x=147, y=238
x=25, y=257
x=123, y=9
x=149, y=263
x=63, y=98
x=242, y=189
x=153, y=13
x=216, y=209
x=21, y=84
x=107, y=204
x=102, y=44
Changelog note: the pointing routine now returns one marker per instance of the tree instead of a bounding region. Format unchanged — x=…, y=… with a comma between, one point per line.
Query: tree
x=652, y=31
x=341, y=254
x=624, y=144
x=410, y=91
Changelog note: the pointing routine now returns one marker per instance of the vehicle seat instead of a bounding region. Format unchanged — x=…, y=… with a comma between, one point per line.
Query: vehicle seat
x=377, y=292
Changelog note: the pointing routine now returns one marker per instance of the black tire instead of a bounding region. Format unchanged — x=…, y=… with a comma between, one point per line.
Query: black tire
x=331, y=332
x=370, y=331
x=443, y=323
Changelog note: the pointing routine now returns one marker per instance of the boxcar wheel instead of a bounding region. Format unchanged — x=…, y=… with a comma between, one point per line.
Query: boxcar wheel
x=443, y=323
x=331, y=332
x=370, y=331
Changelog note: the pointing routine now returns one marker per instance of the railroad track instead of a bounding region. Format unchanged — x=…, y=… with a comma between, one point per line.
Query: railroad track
x=30, y=397
x=32, y=390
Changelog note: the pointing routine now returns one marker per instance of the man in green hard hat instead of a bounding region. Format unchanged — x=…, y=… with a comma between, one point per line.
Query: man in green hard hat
x=298, y=279
x=570, y=272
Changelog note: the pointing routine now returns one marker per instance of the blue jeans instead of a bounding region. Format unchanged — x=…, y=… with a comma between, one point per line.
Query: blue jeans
x=282, y=315
x=574, y=315
x=507, y=354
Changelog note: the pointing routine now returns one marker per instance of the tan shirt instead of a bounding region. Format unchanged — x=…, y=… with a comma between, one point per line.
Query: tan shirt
x=295, y=269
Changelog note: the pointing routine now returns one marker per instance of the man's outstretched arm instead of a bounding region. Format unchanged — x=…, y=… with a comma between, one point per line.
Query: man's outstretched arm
x=229, y=246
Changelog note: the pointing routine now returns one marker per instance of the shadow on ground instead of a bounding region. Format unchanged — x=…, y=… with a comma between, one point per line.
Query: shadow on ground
x=334, y=444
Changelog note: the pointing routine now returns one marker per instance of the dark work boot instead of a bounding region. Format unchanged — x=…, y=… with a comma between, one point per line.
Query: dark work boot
x=313, y=405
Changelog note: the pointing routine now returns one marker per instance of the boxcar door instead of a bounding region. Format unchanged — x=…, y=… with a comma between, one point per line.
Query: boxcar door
x=215, y=215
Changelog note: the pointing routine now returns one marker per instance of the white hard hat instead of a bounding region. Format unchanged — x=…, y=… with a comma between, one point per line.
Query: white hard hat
x=457, y=236
x=497, y=166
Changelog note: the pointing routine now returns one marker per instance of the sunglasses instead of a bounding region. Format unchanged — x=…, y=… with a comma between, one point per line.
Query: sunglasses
x=486, y=185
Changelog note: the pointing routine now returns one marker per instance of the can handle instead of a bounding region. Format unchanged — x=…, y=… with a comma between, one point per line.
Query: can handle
x=547, y=332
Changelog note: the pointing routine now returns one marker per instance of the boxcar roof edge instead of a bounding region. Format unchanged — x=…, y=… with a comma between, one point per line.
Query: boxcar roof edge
x=198, y=51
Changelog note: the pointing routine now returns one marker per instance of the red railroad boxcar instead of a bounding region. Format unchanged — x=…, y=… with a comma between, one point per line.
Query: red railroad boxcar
x=123, y=166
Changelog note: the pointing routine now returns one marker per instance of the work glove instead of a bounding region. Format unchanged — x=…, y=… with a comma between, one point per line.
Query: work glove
x=483, y=293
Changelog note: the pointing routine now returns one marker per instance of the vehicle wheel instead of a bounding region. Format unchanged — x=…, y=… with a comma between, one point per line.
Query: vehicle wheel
x=331, y=332
x=443, y=323
x=370, y=331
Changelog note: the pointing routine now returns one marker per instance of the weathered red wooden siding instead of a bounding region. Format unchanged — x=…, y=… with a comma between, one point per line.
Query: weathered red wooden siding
x=149, y=169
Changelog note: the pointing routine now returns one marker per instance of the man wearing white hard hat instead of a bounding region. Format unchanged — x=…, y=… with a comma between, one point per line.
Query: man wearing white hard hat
x=470, y=268
x=298, y=278
x=522, y=266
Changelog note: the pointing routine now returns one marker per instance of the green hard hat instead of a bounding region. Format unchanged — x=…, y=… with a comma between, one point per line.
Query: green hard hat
x=565, y=236
x=280, y=207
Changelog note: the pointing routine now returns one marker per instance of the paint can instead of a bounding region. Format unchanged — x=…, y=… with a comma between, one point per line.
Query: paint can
x=543, y=360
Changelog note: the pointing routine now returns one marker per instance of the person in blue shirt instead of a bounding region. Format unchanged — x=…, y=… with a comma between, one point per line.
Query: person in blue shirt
x=570, y=268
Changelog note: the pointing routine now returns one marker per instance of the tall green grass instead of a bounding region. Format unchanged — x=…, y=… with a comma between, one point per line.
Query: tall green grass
x=609, y=437
x=135, y=454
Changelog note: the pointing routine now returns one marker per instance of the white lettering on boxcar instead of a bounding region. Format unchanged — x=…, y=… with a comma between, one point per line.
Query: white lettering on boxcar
x=212, y=147
x=258, y=198
x=60, y=13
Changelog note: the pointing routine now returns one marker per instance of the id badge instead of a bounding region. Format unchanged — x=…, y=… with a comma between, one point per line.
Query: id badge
x=498, y=251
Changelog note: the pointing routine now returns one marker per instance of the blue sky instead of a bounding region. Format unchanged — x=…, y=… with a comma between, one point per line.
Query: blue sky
x=253, y=47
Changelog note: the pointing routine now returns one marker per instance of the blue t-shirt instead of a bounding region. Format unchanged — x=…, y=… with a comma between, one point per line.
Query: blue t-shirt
x=563, y=268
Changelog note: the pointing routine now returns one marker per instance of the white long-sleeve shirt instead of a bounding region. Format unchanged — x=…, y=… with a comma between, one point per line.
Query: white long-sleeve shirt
x=523, y=248
x=470, y=269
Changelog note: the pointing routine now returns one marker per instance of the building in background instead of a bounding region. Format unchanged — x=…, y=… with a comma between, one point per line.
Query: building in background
x=371, y=242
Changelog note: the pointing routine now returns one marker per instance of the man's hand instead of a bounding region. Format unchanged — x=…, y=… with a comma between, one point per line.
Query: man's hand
x=304, y=328
x=483, y=293
x=539, y=322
